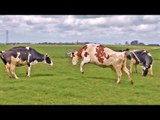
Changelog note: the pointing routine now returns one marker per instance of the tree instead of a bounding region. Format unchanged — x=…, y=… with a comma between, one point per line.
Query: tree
x=126, y=43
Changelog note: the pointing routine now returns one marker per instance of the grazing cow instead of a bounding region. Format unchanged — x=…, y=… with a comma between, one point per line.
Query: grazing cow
x=101, y=56
x=143, y=58
x=20, y=56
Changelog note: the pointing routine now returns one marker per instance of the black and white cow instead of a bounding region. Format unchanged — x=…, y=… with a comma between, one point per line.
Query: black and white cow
x=20, y=56
x=143, y=58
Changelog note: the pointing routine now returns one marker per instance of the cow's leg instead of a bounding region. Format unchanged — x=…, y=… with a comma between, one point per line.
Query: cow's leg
x=125, y=69
x=85, y=60
x=142, y=69
x=12, y=70
x=135, y=66
x=151, y=70
x=119, y=73
x=29, y=70
x=8, y=69
x=131, y=66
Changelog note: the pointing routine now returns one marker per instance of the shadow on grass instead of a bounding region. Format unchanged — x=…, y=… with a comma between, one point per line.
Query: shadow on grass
x=140, y=74
x=103, y=78
x=35, y=75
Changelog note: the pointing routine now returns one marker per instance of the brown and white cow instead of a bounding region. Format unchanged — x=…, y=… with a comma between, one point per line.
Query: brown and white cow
x=20, y=56
x=102, y=56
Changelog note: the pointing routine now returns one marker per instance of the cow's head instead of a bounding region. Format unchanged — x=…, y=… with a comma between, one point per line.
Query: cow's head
x=48, y=60
x=74, y=57
x=145, y=69
x=147, y=64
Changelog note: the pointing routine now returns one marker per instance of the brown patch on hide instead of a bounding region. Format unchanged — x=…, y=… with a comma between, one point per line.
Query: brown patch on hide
x=79, y=52
x=100, y=53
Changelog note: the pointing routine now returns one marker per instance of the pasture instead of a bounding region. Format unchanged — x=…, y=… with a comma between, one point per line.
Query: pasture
x=63, y=84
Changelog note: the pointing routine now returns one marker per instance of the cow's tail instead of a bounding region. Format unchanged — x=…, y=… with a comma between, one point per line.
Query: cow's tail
x=124, y=63
x=124, y=67
x=125, y=59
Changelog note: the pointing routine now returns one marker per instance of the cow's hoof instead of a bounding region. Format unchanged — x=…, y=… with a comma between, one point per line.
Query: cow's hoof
x=132, y=82
x=117, y=83
x=82, y=72
x=10, y=76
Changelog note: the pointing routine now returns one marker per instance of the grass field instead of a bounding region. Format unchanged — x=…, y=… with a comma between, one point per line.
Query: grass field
x=63, y=84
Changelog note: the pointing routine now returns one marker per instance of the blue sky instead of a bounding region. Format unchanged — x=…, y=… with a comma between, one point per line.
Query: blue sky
x=105, y=29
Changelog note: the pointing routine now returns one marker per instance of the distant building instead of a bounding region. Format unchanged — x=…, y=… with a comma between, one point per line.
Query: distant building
x=135, y=42
x=141, y=44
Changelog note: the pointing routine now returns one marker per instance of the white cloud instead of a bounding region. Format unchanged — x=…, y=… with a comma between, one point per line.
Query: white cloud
x=144, y=27
x=151, y=18
x=94, y=21
x=71, y=20
x=82, y=27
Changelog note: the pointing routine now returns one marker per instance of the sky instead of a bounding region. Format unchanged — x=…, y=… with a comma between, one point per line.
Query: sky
x=104, y=29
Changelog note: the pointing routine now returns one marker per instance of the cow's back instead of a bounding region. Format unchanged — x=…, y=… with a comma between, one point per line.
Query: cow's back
x=91, y=48
x=23, y=52
x=99, y=54
x=114, y=56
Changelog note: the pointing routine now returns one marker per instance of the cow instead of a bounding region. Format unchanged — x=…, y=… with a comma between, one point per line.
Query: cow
x=143, y=58
x=101, y=56
x=20, y=56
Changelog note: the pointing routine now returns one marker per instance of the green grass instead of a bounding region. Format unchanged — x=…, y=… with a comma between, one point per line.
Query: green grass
x=63, y=84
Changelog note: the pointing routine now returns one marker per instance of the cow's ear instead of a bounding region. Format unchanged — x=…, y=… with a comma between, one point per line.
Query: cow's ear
x=46, y=54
